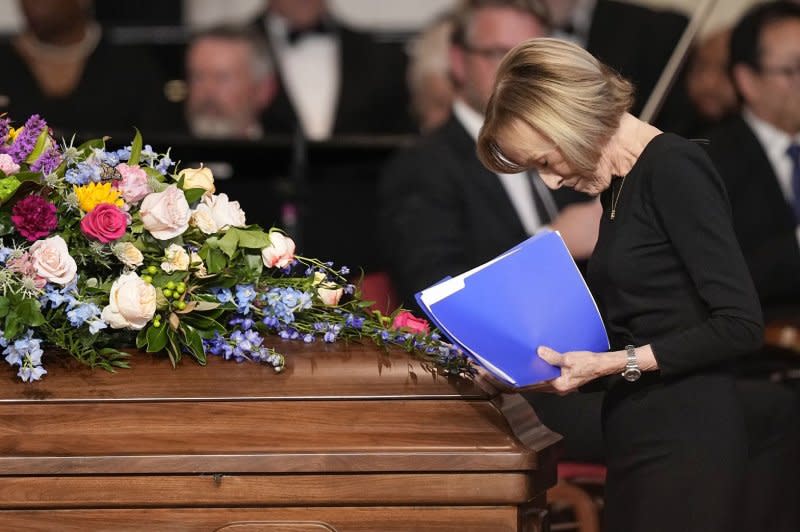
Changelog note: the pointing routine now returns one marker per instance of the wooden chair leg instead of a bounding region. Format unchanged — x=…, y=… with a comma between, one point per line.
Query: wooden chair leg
x=584, y=507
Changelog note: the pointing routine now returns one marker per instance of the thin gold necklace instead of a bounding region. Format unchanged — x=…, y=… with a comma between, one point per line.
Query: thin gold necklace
x=615, y=200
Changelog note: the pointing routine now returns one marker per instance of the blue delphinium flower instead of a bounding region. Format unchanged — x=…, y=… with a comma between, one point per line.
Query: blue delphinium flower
x=26, y=352
x=245, y=294
x=356, y=322
x=123, y=154
x=147, y=155
x=164, y=164
x=4, y=254
x=223, y=295
x=81, y=313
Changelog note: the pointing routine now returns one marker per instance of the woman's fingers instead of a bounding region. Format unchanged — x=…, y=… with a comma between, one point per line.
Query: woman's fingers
x=550, y=356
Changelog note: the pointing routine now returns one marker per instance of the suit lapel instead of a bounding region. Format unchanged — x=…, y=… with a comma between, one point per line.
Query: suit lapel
x=484, y=182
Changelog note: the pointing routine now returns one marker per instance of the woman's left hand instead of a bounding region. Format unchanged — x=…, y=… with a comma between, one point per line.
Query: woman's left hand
x=577, y=368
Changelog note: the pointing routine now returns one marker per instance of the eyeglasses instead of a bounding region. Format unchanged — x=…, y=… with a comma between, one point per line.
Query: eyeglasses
x=790, y=72
x=492, y=53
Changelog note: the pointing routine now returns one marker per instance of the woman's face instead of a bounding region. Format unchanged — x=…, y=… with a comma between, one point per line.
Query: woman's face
x=525, y=146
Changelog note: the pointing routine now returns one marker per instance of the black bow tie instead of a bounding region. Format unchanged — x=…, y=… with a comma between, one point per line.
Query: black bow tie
x=321, y=28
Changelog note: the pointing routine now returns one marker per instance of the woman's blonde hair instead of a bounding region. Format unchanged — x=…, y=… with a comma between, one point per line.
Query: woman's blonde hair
x=562, y=92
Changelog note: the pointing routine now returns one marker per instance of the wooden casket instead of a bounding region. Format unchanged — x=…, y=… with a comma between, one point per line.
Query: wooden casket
x=347, y=438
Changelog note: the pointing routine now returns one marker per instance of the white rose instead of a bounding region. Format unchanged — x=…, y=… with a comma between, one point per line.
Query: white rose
x=52, y=261
x=165, y=214
x=280, y=251
x=128, y=254
x=177, y=259
x=198, y=178
x=131, y=303
x=203, y=220
x=330, y=296
x=217, y=213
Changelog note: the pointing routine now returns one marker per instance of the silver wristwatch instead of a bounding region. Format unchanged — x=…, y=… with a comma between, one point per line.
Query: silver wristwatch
x=631, y=373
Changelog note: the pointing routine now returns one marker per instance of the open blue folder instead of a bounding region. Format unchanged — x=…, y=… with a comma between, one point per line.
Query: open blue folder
x=501, y=311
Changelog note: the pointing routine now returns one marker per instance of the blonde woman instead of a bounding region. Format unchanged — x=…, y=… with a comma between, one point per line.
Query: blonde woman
x=668, y=277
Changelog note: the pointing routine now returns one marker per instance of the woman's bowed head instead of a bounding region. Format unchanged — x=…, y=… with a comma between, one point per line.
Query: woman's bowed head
x=558, y=110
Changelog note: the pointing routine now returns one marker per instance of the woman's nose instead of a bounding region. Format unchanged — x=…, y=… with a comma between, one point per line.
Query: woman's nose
x=552, y=181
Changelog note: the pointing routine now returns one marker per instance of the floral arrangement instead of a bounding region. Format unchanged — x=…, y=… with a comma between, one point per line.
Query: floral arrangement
x=104, y=250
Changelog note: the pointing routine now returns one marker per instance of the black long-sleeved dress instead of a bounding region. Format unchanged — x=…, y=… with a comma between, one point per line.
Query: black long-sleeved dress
x=668, y=272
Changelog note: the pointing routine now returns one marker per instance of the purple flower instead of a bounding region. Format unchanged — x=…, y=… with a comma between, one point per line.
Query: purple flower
x=25, y=141
x=4, y=128
x=48, y=161
x=34, y=217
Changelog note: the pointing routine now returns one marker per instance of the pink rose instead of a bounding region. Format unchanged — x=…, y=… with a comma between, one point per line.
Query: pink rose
x=7, y=164
x=166, y=214
x=133, y=185
x=280, y=252
x=405, y=320
x=105, y=223
x=51, y=259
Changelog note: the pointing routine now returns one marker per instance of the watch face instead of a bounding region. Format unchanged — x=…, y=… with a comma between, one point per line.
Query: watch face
x=631, y=374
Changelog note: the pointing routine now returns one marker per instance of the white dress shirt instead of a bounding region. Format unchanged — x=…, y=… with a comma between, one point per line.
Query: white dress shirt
x=775, y=143
x=311, y=76
x=517, y=186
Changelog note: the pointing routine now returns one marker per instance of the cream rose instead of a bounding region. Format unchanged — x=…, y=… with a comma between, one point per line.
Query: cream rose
x=52, y=261
x=217, y=213
x=166, y=214
x=330, y=296
x=177, y=259
x=131, y=303
x=198, y=178
x=280, y=251
x=128, y=254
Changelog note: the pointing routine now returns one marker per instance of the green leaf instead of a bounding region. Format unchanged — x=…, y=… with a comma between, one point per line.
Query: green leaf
x=157, y=338
x=28, y=312
x=254, y=263
x=91, y=144
x=42, y=142
x=3, y=307
x=252, y=238
x=194, y=342
x=194, y=194
x=229, y=242
x=136, y=149
x=13, y=327
x=141, y=339
x=213, y=258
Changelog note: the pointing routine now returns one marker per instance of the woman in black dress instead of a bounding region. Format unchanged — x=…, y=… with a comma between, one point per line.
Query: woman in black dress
x=668, y=277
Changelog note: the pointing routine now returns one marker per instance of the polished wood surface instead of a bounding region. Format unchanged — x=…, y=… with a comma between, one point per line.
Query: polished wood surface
x=343, y=426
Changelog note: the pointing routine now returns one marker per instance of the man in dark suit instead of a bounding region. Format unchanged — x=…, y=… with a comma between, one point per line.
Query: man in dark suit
x=332, y=79
x=442, y=212
x=635, y=40
x=752, y=152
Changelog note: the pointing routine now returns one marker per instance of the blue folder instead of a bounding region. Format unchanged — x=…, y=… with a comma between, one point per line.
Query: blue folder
x=501, y=311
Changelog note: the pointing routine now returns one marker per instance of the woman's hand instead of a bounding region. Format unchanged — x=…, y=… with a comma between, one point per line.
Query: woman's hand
x=580, y=367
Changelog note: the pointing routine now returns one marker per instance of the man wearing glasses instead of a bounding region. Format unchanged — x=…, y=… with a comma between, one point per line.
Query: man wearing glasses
x=758, y=152
x=758, y=155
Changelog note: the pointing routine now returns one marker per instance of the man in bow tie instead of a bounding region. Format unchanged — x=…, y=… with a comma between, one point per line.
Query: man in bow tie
x=332, y=79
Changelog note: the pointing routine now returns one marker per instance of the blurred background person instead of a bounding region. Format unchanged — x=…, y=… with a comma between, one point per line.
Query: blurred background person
x=429, y=81
x=61, y=67
x=332, y=79
x=231, y=81
x=708, y=82
x=441, y=212
x=635, y=40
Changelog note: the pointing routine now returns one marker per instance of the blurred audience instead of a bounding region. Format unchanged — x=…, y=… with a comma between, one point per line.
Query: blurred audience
x=62, y=68
x=428, y=76
x=230, y=82
x=441, y=212
x=332, y=79
x=636, y=40
x=708, y=82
